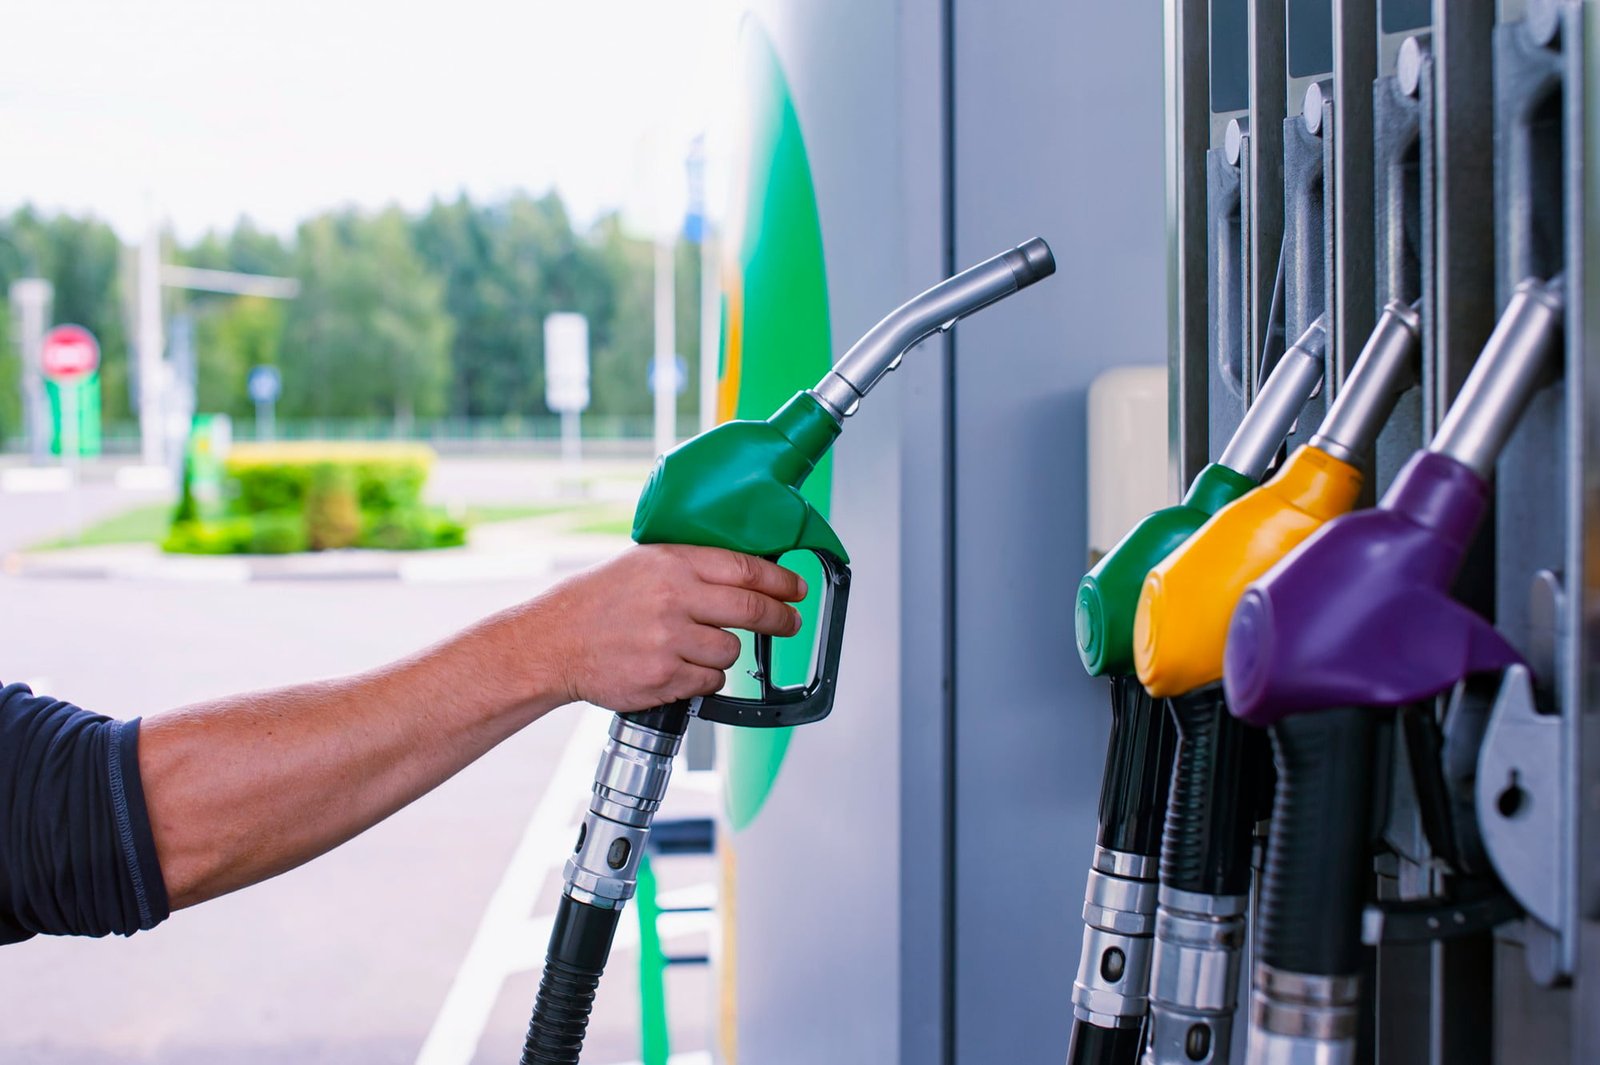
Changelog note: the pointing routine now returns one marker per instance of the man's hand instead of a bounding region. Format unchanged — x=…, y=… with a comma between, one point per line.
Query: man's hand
x=649, y=627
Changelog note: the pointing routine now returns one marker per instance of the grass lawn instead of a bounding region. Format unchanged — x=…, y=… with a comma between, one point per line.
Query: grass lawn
x=141, y=525
x=148, y=524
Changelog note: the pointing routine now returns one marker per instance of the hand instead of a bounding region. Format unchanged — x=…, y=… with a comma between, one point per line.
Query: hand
x=649, y=627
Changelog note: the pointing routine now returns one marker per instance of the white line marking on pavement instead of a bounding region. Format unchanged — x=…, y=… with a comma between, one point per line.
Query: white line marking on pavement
x=500, y=947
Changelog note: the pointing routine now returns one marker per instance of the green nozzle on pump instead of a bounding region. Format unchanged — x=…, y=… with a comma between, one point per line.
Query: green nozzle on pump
x=1108, y=595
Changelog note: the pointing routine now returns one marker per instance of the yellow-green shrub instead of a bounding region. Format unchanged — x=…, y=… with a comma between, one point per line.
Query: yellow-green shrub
x=299, y=496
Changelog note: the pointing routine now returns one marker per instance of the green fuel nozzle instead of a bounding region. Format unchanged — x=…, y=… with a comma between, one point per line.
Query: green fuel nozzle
x=737, y=487
x=1108, y=596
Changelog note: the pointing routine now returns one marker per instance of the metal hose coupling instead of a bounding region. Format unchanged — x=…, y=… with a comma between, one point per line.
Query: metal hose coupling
x=1303, y=1019
x=601, y=876
x=1194, y=982
x=1119, y=912
x=628, y=787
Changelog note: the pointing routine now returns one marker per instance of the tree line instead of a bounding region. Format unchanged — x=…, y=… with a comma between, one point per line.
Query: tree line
x=401, y=315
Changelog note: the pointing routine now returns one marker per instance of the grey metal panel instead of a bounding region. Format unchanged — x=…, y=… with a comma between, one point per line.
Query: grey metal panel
x=1265, y=179
x=1355, y=55
x=1187, y=126
x=1463, y=241
x=927, y=708
x=1058, y=131
x=1584, y=379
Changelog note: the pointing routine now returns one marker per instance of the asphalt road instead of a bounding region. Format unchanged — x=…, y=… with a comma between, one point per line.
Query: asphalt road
x=352, y=958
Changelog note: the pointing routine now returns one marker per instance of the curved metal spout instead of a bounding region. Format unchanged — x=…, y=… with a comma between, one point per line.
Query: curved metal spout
x=932, y=311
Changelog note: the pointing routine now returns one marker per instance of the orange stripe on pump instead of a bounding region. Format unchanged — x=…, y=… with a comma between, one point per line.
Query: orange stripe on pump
x=1187, y=601
x=733, y=342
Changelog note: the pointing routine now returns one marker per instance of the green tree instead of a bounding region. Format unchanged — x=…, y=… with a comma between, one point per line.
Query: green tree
x=369, y=335
x=233, y=336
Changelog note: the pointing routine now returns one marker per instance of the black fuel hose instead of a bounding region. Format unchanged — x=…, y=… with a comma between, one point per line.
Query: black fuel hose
x=1315, y=886
x=1133, y=790
x=1110, y=993
x=580, y=943
x=1211, y=811
x=1093, y=1045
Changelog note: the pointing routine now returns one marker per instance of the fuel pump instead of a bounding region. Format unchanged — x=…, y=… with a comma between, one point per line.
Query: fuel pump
x=1179, y=628
x=1360, y=619
x=736, y=487
x=1110, y=993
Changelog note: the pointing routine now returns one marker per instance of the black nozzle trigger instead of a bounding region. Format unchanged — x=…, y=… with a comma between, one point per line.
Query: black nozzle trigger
x=779, y=706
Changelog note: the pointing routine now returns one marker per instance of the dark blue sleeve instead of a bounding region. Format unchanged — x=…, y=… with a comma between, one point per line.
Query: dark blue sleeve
x=76, y=853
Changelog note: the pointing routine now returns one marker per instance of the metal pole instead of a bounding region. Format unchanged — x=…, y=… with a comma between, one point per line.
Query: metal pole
x=666, y=330
x=30, y=315
x=571, y=449
x=265, y=422
x=152, y=381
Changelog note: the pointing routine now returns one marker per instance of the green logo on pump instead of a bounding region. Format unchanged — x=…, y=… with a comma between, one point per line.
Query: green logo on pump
x=775, y=341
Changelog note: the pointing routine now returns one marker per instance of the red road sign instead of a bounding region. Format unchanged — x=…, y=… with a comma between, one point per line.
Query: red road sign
x=69, y=353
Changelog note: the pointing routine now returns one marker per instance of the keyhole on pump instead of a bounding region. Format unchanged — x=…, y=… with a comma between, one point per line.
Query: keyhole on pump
x=1197, y=1044
x=1513, y=799
x=583, y=833
x=1112, y=965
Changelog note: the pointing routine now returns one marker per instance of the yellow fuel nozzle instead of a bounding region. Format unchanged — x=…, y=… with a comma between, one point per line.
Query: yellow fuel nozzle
x=1181, y=623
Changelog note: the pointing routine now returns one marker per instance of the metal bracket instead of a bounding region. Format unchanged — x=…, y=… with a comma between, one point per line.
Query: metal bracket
x=1524, y=814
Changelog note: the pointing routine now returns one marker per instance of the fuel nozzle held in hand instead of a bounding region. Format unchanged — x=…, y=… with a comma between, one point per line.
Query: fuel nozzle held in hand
x=737, y=487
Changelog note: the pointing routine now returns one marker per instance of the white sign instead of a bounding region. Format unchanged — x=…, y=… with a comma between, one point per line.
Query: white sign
x=566, y=363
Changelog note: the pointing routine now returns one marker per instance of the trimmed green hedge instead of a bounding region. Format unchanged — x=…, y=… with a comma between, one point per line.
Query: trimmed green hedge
x=285, y=498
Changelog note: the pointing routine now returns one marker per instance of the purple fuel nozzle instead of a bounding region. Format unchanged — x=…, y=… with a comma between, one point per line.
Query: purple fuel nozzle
x=1361, y=613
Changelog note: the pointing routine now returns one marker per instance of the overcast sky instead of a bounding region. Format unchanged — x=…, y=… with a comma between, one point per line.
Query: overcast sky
x=278, y=108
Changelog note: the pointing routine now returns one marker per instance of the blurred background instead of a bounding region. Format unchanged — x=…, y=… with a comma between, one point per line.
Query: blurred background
x=335, y=233
x=331, y=327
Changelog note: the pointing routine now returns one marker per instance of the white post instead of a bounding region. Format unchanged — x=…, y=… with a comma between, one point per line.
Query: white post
x=710, y=328
x=30, y=317
x=152, y=381
x=572, y=449
x=666, y=394
x=70, y=393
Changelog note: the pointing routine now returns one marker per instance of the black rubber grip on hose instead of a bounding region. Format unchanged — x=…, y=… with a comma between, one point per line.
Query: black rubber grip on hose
x=1133, y=789
x=672, y=719
x=1093, y=1045
x=1318, y=869
x=1211, y=810
x=580, y=943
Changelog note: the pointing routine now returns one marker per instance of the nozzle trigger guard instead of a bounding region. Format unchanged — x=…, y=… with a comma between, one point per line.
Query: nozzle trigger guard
x=801, y=704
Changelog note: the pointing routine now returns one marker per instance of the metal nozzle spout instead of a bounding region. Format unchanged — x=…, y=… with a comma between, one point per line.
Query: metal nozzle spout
x=1516, y=361
x=1278, y=403
x=932, y=311
x=1388, y=365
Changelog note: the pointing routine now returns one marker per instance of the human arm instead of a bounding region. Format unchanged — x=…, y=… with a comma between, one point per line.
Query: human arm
x=243, y=788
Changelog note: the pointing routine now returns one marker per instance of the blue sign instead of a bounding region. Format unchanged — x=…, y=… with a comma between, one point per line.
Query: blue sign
x=265, y=384
x=680, y=374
